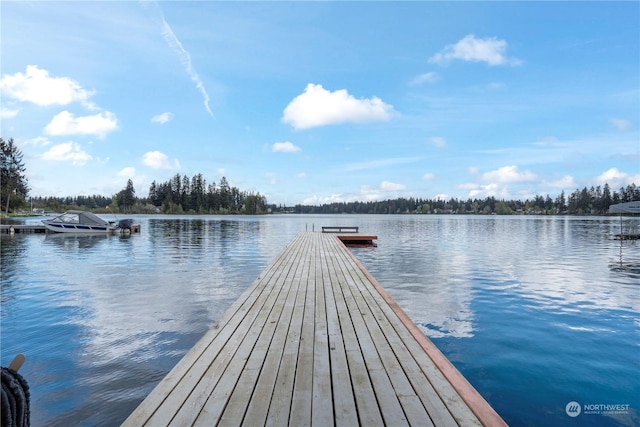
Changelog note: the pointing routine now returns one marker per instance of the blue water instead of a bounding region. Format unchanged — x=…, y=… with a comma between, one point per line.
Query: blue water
x=536, y=312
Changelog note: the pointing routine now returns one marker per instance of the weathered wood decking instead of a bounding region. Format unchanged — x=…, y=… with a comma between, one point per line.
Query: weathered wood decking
x=314, y=341
x=41, y=229
x=21, y=228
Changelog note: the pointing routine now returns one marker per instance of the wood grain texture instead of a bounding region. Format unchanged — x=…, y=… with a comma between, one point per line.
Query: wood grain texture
x=312, y=342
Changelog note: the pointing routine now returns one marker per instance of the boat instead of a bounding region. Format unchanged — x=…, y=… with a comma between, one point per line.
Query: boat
x=83, y=222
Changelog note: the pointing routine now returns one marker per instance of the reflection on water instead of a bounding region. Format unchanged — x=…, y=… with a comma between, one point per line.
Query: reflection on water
x=75, y=243
x=535, y=312
x=555, y=261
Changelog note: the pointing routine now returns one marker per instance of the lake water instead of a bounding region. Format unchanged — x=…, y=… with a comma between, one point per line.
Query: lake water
x=536, y=312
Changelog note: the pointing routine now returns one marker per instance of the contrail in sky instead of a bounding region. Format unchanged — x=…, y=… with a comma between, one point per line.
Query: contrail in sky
x=185, y=58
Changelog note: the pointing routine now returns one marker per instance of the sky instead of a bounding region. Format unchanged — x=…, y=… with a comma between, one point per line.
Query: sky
x=319, y=102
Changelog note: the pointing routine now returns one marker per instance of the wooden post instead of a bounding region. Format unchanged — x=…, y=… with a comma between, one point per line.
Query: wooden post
x=17, y=362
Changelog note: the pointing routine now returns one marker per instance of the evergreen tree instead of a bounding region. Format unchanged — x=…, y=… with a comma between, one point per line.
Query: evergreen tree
x=127, y=197
x=12, y=174
x=561, y=202
x=606, y=198
x=225, y=194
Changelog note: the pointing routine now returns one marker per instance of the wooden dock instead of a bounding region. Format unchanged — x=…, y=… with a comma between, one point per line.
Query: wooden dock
x=22, y=228
x=41, y=229
x=315, y=340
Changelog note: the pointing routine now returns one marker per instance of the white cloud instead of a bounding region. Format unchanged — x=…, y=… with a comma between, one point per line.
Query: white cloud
x=128, y=172
x=158, y=160
x=469, y=186
x=67, y=151
x=429, y=176
x=317, y=106
x=162, y=118
x=39, y=141
x=488, y=190
x=494, y=183
x=317, y=200
x=616, y=178
x=6, y=113
x=37, y=87
x=65, y=123
x=285, y=147
x=302, y=175
x=391, y=186
x=612, y=174
x=368, y=194
x=566, y=182
x=430, y=77
x=621, y=124
x=438, y=141
x=386, y=189
x=490, y=50
x=507, y=175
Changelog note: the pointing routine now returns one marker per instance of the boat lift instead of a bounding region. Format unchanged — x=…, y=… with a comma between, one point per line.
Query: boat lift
x=626, y=208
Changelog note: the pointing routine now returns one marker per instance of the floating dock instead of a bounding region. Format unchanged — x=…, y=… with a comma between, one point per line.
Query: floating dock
x=314, y=341
x=22, y=228
x=351, y=237
x=41, y=229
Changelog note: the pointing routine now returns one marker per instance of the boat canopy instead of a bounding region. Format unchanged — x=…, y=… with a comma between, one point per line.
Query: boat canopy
x=80, y=217
x=628, y=207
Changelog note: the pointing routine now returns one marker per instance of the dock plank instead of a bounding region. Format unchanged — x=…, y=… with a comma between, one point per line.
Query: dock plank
x=216, y=383
x=386, y=396
x=170, y=395
x=366, y=406
x=303, y=384
x=436, y=384
x=322, y=403
x=280, y=407
x=258, y=407
x=343, y=398
x=314, y=341
x=256, y=356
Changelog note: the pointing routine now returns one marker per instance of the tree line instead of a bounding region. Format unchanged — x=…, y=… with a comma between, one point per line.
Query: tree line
x=179, y=195
x=593, y=201
x=182, y=194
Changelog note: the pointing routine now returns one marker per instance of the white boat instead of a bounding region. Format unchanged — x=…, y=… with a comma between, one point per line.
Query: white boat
x=82, y=222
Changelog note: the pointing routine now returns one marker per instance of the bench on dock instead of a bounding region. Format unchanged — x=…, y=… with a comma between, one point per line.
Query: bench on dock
x=340, y=229
x=314, y=341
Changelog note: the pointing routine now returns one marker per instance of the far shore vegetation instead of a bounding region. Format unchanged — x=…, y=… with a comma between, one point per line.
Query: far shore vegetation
x=593, y=201
x=185, y=195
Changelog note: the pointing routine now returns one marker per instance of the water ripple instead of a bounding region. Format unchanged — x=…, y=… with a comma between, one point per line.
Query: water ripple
x=534, y=311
